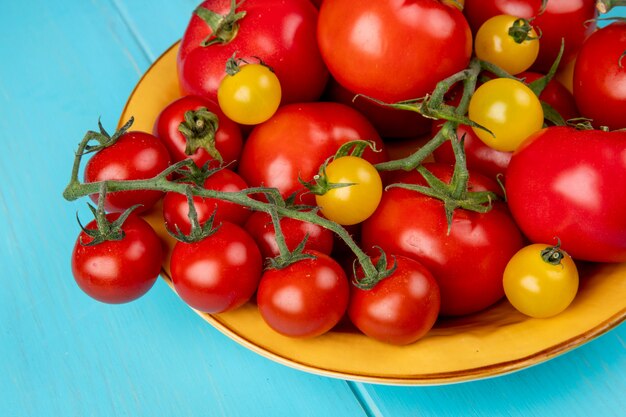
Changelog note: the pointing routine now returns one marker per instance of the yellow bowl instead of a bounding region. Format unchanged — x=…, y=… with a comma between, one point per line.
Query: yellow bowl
x=496, y=341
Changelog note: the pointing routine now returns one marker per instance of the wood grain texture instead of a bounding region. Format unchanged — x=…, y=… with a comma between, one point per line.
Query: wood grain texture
x=64, y=64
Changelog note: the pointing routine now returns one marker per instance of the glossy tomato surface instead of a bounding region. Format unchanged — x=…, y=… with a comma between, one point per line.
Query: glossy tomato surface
x=297, y=140
x=218, y=273
x=226, y=138
x=378, y=48
x=134, y=156
x=401, y=308
x=569, y=184
x=467, y=261
x=600, y=77
x=118, y=271
x=306, y=298
x=281, y=33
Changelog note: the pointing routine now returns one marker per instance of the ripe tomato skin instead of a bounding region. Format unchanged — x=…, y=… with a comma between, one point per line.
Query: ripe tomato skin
x=509, y=109
x=401, y=308
x=414, y=225
x=376, y=48
x=281, y=33
x=563, y=183
x=297, y=140
x=538, y=288
x=118, y=271
x=480, y=157
x=351, y=204
x=570, y=20
x=135, y=155
x=176, y=208
x=260, y=227
x=304, y=299
x=493, y=43
x=218, y=273
x=228, y=138
x=600, y=76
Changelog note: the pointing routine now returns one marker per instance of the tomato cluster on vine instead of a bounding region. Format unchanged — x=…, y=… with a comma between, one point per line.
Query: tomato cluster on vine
x=386, y=163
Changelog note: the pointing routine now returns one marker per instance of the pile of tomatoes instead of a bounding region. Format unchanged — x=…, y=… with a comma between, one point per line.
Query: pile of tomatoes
x=305, y=121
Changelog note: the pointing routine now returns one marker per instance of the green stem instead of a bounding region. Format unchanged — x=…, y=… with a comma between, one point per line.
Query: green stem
x=604, y=6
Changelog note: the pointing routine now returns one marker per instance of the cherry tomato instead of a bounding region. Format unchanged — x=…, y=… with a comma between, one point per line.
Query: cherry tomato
x=281, y=33
x=224, y=135
x=294, y=142
x=135, y=156
x=261, y=228
x=558, y=20
x=377, y=48
x=540, y=280
x=118, y=271
x=251, y=95
x=401, y=308
x=350, y=204
x=495, y=44
x=306, y=298
x=563, y=182
x=600, y=76
x=414, y=225
x=218, y=273
x=555, y=94
x=176, y=207
x=509, y=109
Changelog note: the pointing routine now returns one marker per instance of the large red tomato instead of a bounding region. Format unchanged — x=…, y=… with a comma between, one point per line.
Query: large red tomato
x=600, y=77
x=297, y=140
x=571, y=20
x=467, y=262
x=393, y=50
x=281, y=33
x=569, y=184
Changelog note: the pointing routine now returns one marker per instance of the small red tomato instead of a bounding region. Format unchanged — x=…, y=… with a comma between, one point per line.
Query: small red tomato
x=208, y=130
x=401, y=308
x=176, y=207
x=306, y=298
x=134, y=156
x=261, y=228
x=118, y=271
x=219, y=273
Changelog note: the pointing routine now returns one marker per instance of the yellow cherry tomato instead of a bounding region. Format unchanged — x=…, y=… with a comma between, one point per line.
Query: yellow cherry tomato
x=350, y=204
x=540, y=280
x=509, y=109
x=494, y=43
x=251, y=95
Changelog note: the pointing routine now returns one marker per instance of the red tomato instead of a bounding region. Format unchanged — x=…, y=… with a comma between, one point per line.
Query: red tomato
x=600, y=77
x=390, y=123
x=401, y=308
x=218, y=273
x=570, y=20
x=118, y=271
x=569, y=184
x=555, y=94
x=226, y=139
x=377, y=48
x=297, y=140
x=135, y=156
x=281, y=33
x=176, y=208
x=480, y=157
x=414, y=225
x=304, y=299
x=260, y=227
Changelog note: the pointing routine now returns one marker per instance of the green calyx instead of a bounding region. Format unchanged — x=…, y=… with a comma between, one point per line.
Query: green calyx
x=198, y=231
x=553, y=254
x=199, y=129
x=382, y=271
x=224, y=28
x=520, y=31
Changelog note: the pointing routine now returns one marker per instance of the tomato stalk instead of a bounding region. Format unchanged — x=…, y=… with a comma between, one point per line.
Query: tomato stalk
x=224, y=28
x=275, y=206
x=603, y=6
x=553, y=254
x=199, y=129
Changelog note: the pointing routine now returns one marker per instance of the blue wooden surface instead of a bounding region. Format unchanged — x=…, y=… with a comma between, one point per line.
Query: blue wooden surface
x=63, y=64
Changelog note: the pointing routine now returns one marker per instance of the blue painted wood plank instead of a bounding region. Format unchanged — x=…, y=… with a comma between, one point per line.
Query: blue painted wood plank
x=62, y=354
